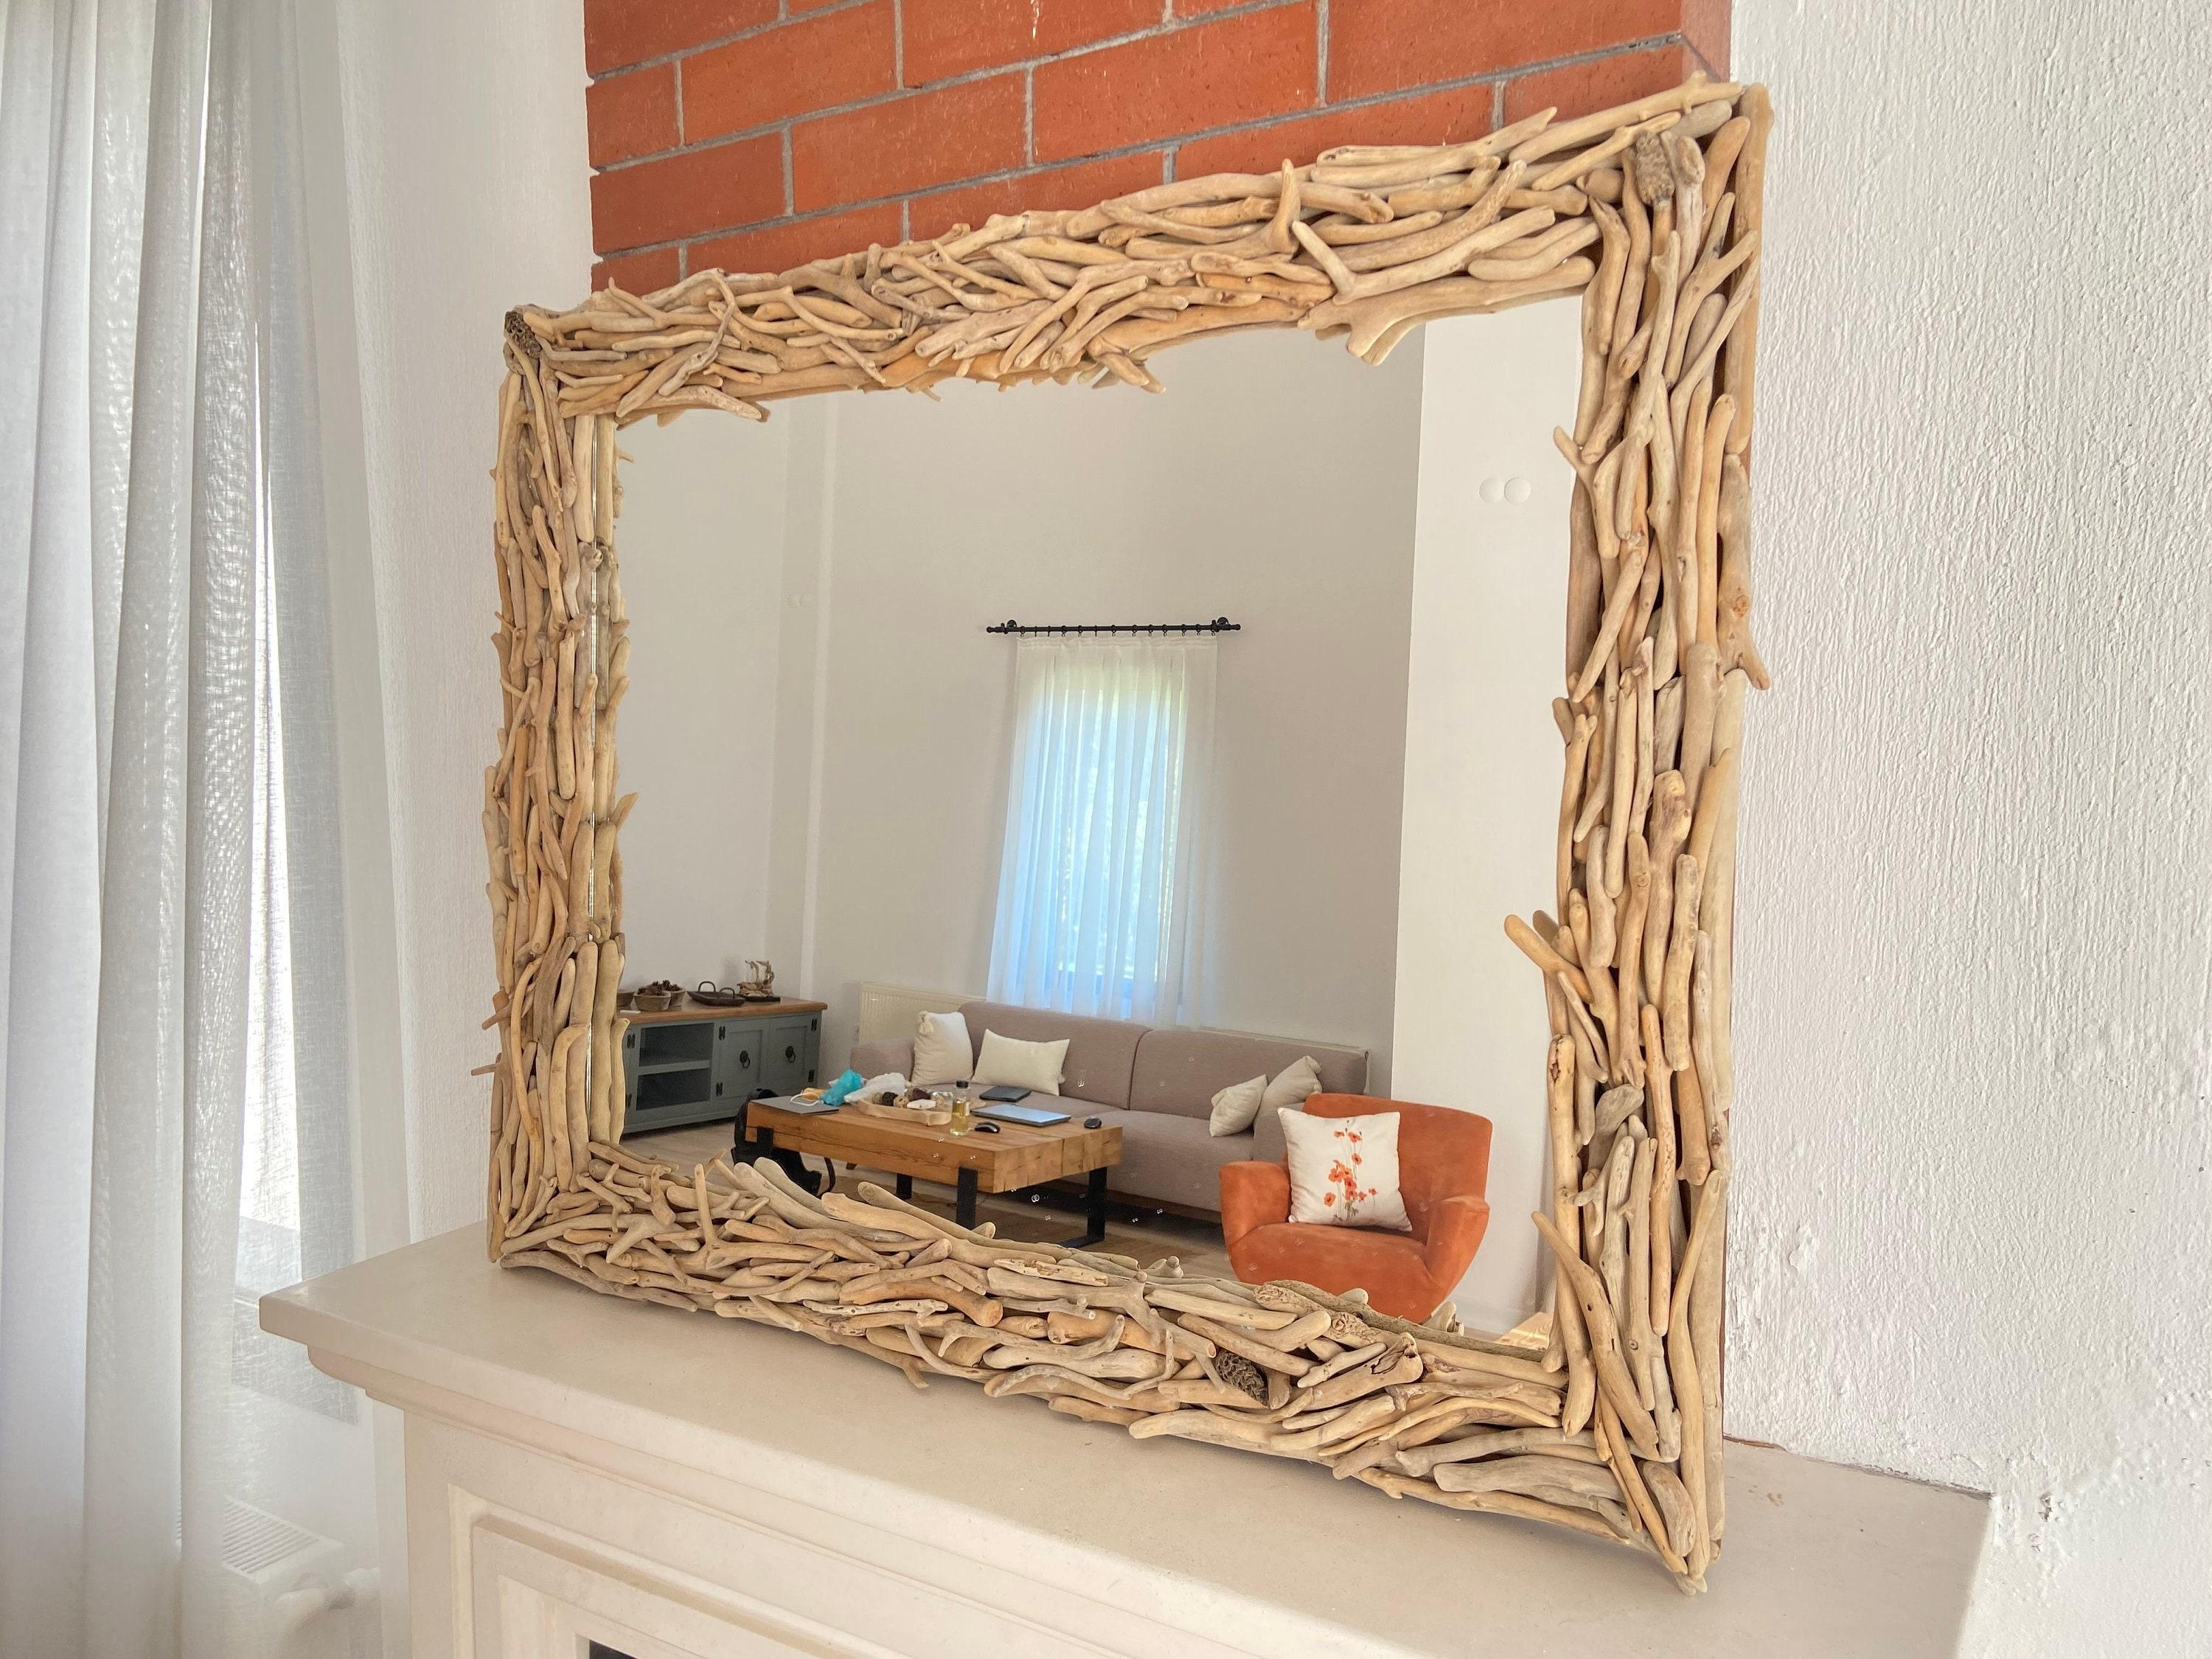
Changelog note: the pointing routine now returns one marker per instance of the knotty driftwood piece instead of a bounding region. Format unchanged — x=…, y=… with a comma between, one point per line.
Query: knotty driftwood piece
x=1651, y=213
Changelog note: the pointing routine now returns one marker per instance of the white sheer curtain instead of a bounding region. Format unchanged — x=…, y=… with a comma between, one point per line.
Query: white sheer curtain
x=1098, y=882
x=174, y=980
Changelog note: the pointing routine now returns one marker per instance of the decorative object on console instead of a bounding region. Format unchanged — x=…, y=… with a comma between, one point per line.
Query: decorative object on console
x=657, y=998
x=943, y=1052
x=759, y=984
x=1237, y=1107
x=1343, y=1170
x=1659, y=594
x=1443, y=1169
x=1005, y=1062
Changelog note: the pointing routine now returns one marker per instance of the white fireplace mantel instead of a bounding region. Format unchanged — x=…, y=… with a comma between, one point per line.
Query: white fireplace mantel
x=582, y=1466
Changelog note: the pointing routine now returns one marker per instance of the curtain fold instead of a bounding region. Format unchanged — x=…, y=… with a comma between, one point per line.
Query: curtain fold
x=175, y=976
x=1098, y=878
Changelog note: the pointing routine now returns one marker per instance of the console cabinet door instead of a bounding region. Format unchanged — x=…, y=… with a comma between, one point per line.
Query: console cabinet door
x=788, y=1047
x=737, y=1062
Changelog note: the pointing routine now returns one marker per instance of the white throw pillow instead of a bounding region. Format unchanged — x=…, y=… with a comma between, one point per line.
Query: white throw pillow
x=942, y=1051
x=1291, y=1085
x=1236, y=1107
x=1343, y=1170
x=1007, y=1062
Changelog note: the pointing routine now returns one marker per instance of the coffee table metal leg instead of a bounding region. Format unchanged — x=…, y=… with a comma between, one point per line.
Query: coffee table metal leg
x=1094, y=1212
x=905, y=1187
x=964, y=1211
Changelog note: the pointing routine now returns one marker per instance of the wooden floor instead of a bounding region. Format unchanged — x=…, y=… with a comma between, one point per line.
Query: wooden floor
x=1146, y=1235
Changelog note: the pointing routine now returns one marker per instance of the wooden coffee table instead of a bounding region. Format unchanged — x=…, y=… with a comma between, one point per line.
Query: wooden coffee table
x=1016, y=1156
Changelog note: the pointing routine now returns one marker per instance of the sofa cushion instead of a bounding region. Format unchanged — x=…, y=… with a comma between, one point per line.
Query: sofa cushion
x=1343, y=1170
x=943, y=1052
x=1175, y=1159
x=1180, y=1071
x=1005, y=1062
x=1101, y=1053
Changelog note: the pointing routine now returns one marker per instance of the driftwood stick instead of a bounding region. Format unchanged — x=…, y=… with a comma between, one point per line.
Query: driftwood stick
x=1614, y=1384
x=1566, y=1314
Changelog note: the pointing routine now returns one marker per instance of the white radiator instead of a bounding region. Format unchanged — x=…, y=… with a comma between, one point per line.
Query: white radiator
x=892, y=1011
x=285, y=1582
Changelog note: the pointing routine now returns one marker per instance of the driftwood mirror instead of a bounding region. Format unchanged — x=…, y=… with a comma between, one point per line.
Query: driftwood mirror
x=1612, y=1426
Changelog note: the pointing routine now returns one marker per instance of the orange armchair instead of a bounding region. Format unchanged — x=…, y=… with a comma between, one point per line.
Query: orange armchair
x=1443, y=1166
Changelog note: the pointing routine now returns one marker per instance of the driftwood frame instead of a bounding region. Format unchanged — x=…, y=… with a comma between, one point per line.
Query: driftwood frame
x=1651, y=212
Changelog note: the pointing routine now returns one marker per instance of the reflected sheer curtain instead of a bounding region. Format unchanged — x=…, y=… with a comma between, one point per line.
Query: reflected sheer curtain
x=1098, y=881
x=175, y=1133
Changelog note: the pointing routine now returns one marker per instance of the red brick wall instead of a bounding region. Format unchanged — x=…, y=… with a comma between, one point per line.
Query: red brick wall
x=758, y=134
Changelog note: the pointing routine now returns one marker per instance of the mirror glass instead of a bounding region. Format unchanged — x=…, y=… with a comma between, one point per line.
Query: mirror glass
x=1307, y=830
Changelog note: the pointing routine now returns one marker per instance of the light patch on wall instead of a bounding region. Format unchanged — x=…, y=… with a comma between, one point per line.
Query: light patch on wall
x=1482, y=757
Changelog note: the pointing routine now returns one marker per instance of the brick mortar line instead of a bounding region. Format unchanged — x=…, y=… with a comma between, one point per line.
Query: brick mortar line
x=1169, y=147
x=721, y=140
x=1167, y=25
x=782, y=19
x=966, y=77
x=1162, y=148
x=1497, y=79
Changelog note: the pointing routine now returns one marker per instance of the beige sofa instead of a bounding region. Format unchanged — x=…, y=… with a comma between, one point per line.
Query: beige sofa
x=1158, y=1084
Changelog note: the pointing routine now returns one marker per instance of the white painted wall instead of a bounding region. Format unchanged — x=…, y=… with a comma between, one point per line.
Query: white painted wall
x=922, y=521
x=1272, y=483
x=1974, y=1238
x=1482, y=757
x=467, y=193
x=702, y=543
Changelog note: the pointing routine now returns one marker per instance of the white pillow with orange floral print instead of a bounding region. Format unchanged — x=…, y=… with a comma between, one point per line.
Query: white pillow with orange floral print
x=1343, y=1170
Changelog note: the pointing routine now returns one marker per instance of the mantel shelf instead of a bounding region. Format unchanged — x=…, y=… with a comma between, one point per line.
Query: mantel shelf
x=1231, y=1553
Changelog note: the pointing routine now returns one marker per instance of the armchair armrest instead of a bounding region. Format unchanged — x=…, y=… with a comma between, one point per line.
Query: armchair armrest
x=1253, y=1196
x=1457, y=1225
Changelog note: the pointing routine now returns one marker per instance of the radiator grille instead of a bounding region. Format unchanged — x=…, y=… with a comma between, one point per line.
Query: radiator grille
x=891, y=1011
x=262, y=1547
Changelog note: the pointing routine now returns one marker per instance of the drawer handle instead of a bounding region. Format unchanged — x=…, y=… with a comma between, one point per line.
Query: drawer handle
x=790, y=1053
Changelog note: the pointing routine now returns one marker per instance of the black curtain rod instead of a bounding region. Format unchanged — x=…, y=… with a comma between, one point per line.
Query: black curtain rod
x=1218, y=625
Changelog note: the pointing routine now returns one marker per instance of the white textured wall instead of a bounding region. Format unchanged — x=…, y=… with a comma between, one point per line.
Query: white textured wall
x=468, y=194
x=1972, y=1240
